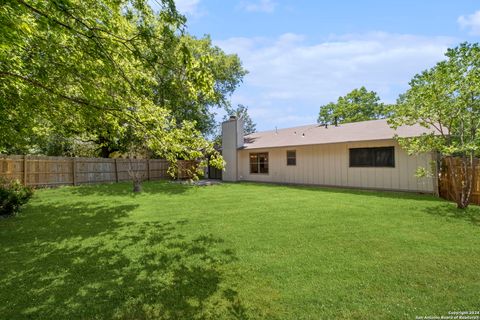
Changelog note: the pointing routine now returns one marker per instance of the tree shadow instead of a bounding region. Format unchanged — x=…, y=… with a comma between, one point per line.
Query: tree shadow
x=356, y=191
x=450, y=211
x=64, y=262
x=54, y=222
x=125, y=188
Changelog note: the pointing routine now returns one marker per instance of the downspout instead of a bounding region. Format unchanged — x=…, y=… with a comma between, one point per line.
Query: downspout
x=236, y=150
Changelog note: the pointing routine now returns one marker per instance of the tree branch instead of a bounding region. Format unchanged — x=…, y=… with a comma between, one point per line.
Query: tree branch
x=53, y=91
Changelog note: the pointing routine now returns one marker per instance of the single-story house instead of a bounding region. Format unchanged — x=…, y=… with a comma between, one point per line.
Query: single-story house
x=355, y=155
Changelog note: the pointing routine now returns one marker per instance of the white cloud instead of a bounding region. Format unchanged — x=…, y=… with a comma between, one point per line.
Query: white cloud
x=471, y=22
x=290, y=78
x=267, y=6
x=189, y=7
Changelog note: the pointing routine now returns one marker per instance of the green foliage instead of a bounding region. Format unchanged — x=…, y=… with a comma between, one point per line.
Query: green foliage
x=13, y=195
x=358, y=105
x=187, y=143
x=108, y=73
x=446, y=99
x=422, y=172
x=66, y=69
x=225, y=72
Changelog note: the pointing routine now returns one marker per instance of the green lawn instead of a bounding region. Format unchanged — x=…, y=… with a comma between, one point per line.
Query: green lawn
x=237, y=251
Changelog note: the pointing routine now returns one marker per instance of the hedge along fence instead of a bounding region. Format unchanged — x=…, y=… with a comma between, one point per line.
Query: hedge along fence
x=54, y=171
x=446, y=180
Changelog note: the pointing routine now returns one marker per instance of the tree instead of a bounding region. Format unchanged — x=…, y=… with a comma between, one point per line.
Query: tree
x=358, y=105
x=225, y=71
x=446, y=98
x=173, y=93
x=241, y=112
x=91, y=70
x=78, y=66
x=72, y=66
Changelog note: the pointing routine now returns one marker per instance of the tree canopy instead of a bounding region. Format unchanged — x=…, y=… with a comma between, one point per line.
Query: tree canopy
x=357, y=105
x=107, y=72
x=227, y=74
x=446, y=98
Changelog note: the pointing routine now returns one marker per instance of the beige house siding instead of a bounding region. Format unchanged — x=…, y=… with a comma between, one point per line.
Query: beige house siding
x=328, y=165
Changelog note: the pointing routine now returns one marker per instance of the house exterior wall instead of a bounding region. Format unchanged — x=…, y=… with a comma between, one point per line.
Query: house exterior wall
x=329, y=165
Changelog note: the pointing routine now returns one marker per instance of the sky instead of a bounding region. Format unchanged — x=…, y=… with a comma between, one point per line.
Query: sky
x=303, y=54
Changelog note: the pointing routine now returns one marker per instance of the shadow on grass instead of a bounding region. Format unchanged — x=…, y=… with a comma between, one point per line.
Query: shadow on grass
x=353, y=191
x=450, y=211
x=125, y=188
x=70, y=262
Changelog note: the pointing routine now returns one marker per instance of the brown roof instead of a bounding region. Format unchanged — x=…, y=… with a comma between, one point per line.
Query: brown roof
x=318, y=134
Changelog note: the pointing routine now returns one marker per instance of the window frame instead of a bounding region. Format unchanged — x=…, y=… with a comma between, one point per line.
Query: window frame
x=290, y=158
x=374, y=157
x=258, y=162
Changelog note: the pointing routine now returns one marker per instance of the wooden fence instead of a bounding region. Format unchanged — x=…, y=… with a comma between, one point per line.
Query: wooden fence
x=53, y=171
x=446, y=176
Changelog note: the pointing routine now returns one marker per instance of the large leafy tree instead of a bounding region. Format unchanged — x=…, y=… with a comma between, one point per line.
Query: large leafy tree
x=223, y=73
x=69, y=63
x=226, y=73
x=446, y=98
x=357, y=105
x=93, y=69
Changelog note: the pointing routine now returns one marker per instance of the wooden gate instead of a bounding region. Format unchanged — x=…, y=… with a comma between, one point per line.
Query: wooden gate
x=214, y=173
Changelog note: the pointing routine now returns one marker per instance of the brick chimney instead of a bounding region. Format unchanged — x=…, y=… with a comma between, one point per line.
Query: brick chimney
x=232, y=140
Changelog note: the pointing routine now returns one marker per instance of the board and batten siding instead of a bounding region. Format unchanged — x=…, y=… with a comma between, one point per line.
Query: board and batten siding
x=328, y=165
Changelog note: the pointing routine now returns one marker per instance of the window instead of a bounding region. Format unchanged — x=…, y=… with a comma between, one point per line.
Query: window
x=291, y=158
x=258, y=162
x=372, y=157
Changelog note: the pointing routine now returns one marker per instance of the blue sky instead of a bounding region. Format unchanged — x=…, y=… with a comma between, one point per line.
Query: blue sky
x=303, y=54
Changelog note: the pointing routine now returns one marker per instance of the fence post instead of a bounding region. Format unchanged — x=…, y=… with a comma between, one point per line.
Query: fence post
x=179, y=169
x=116, y=170
x=148, y=169
x=74, y=171
x=25, y=182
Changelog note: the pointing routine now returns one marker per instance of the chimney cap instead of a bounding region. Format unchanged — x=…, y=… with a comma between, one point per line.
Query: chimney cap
x=233, y=117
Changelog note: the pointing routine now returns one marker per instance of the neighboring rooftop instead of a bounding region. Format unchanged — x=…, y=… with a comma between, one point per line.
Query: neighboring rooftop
x=319, y=134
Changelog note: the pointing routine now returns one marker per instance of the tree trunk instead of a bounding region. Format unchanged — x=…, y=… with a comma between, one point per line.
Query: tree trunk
x=137, y=186
x=467, y=172
x=452, y=174
x=106, y=148
x=136, y=173
x=105, y=152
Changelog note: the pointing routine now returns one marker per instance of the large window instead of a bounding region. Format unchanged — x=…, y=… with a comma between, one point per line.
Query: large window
x=372, y=157
x=291, y=158
x=259, y=162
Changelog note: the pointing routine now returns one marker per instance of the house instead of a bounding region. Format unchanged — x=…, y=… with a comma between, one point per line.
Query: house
x=355, y=155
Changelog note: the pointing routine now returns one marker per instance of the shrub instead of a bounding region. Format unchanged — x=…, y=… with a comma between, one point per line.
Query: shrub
x=12, y=196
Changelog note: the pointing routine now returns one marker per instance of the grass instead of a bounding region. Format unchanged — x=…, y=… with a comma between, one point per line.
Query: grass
x=237, y=251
